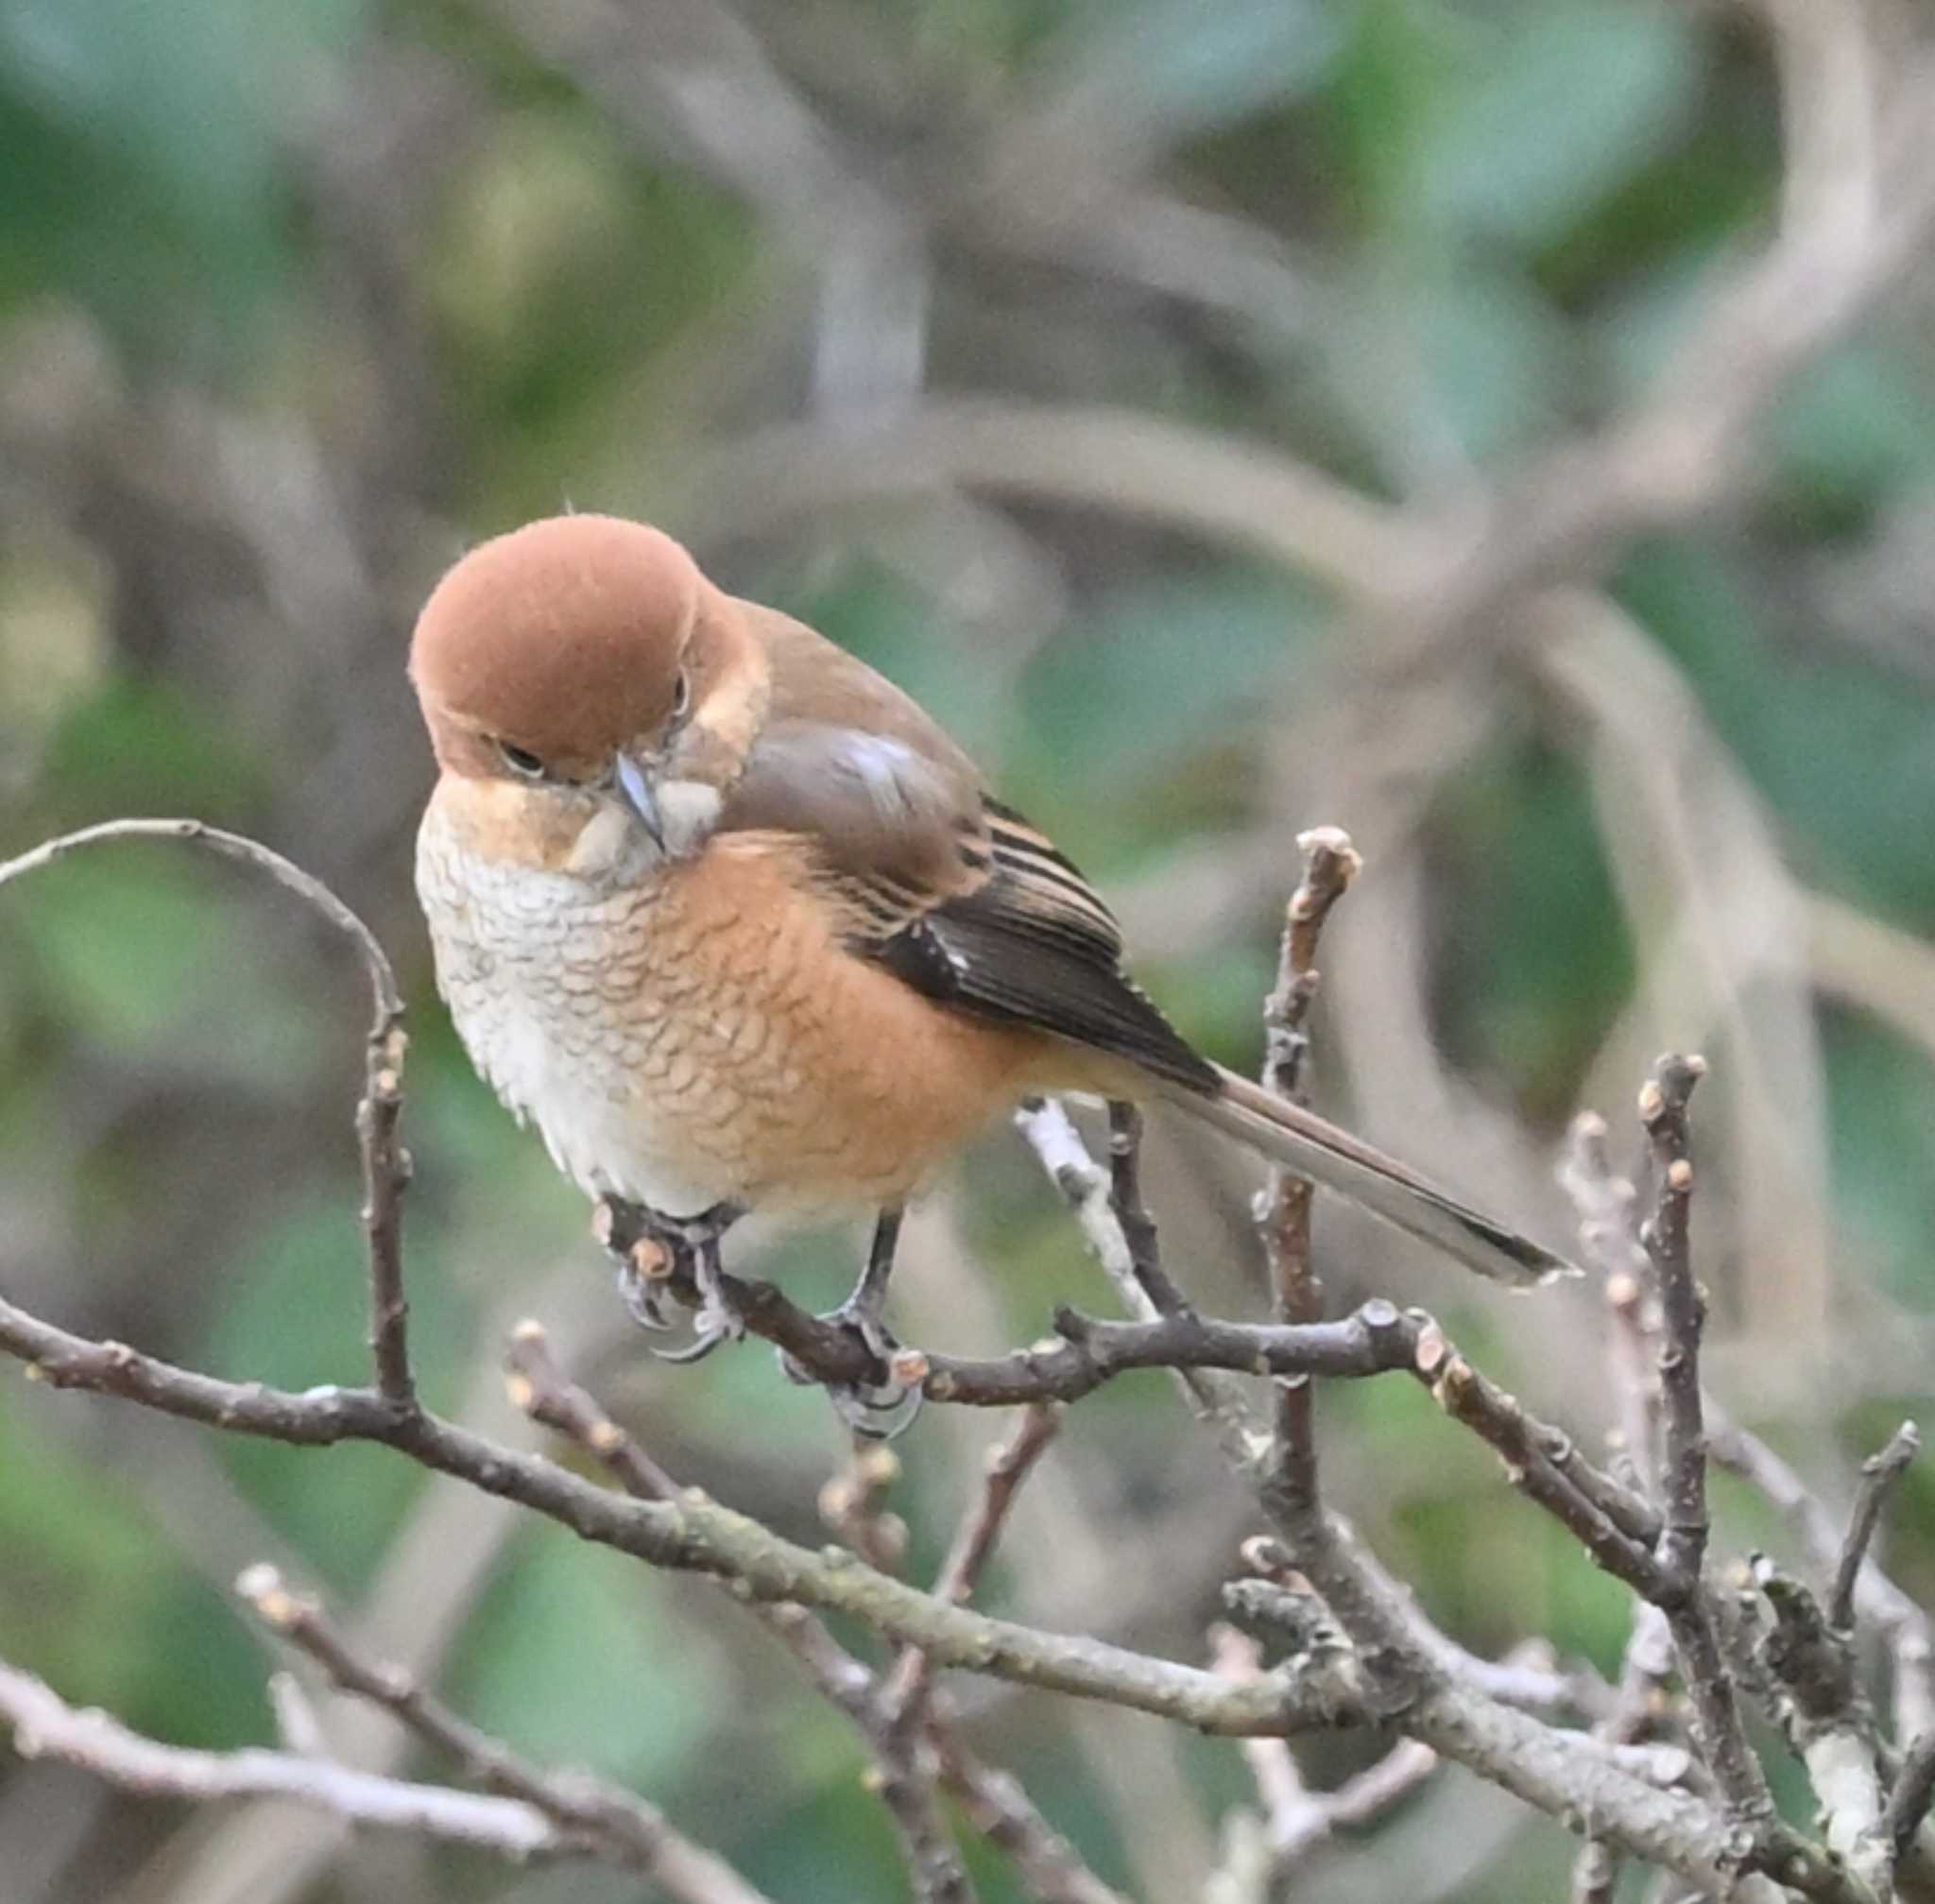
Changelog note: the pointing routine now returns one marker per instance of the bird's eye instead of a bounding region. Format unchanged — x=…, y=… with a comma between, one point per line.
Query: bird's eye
x=520, y=760
x=681, y=696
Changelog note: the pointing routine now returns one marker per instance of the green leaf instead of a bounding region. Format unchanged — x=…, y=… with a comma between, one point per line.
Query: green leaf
x=1167, y=70
x=1834, y=737
x=1514, y=839
x=1553, y=107
x=1849, y=429
x=1883, y=1187
x=1153, y=671
x=144, y=149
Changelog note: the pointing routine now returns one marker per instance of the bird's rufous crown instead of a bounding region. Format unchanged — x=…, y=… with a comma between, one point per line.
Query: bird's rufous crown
x=564, y=637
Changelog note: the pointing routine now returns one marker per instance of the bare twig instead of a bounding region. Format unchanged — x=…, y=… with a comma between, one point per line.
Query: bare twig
x=1126, y=1248
x=1877, y=1599
x=1558, y=1772
x=1544, y=1464
x=1879, y=1473
x=1296, y=1819
x=852, y=1505
x=1663, y=1110
x=540, y=1389
x=1595, y=1873
x=1283, y=1208
x=1132, y=1214
x=1914, y=1789
x=1003, y=1812
x=622, y=1825
x=1639, y=1703
x=386, y=1176
x=688, y=1535
x=903, y=1695
x=1606, y=1204
x=1008, y=1467
x=1683, y=1464
x=1809, y=1668
x=45, y=1726
x=385, y=1164
x=1810, y=1672
x=903, y=1774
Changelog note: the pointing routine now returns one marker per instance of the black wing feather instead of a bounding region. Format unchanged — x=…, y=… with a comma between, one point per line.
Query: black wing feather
x=1035, y=946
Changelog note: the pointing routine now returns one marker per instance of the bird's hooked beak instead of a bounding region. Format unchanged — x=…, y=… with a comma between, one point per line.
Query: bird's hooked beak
x=639, y=796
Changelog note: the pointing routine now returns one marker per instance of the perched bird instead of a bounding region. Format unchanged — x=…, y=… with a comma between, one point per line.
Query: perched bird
x=739, y=927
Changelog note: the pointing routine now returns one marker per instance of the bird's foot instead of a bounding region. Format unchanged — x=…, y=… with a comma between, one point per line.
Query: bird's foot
x=879, y=1410
x=661, y=1258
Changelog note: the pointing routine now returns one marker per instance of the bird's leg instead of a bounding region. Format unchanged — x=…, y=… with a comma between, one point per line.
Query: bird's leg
x=880, y=1409
x=864, y=1311
x=680, y=1255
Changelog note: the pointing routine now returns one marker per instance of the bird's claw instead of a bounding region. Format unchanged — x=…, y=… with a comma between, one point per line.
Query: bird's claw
x=663, y=1257
x=701, y=1345
x=879, y=1410
x=717, y=1318
x=643, y=1296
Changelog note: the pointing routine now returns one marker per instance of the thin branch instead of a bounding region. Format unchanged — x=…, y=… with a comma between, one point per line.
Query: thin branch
x=1879, y=1473
x=903, y=1770
x=1008, y=1466
x=1877, y=1599
x=1809, y=1667
x=1004, y=1813
x=540, y=1389
x=688, y=1534
x=1606, y=1205
x=1409, y=1674
x=1595, y=1873
x=1132, y=1214
x=1683, y=1544
x=46, y=1727
x=386, y=1176
x=1283, y=1208
x=1560, y=1773
x=385, y=1164
x=1544, y=1464
x=625, y=1828
x=1663, y=1111
x=1816, y=1697
x=851, y=1504
x=1296, y=1819
x=903, y=1696
x=1638, y=1703
x=1107, y=1206
x=1914, y=1790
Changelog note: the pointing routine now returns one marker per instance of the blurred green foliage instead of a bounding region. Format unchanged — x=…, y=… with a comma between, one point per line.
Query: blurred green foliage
x=297, y=300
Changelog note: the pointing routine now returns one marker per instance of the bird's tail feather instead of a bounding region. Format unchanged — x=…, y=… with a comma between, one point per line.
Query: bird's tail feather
x=1312, y=1147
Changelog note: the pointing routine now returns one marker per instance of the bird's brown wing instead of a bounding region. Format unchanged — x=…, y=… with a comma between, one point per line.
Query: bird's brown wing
x=955, y=893
x=1033, y=944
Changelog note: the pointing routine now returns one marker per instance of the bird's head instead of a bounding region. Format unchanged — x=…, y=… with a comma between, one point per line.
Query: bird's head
x=592, y=686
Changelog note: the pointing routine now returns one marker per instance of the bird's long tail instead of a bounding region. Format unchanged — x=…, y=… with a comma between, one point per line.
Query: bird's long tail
x=1314, y=1147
